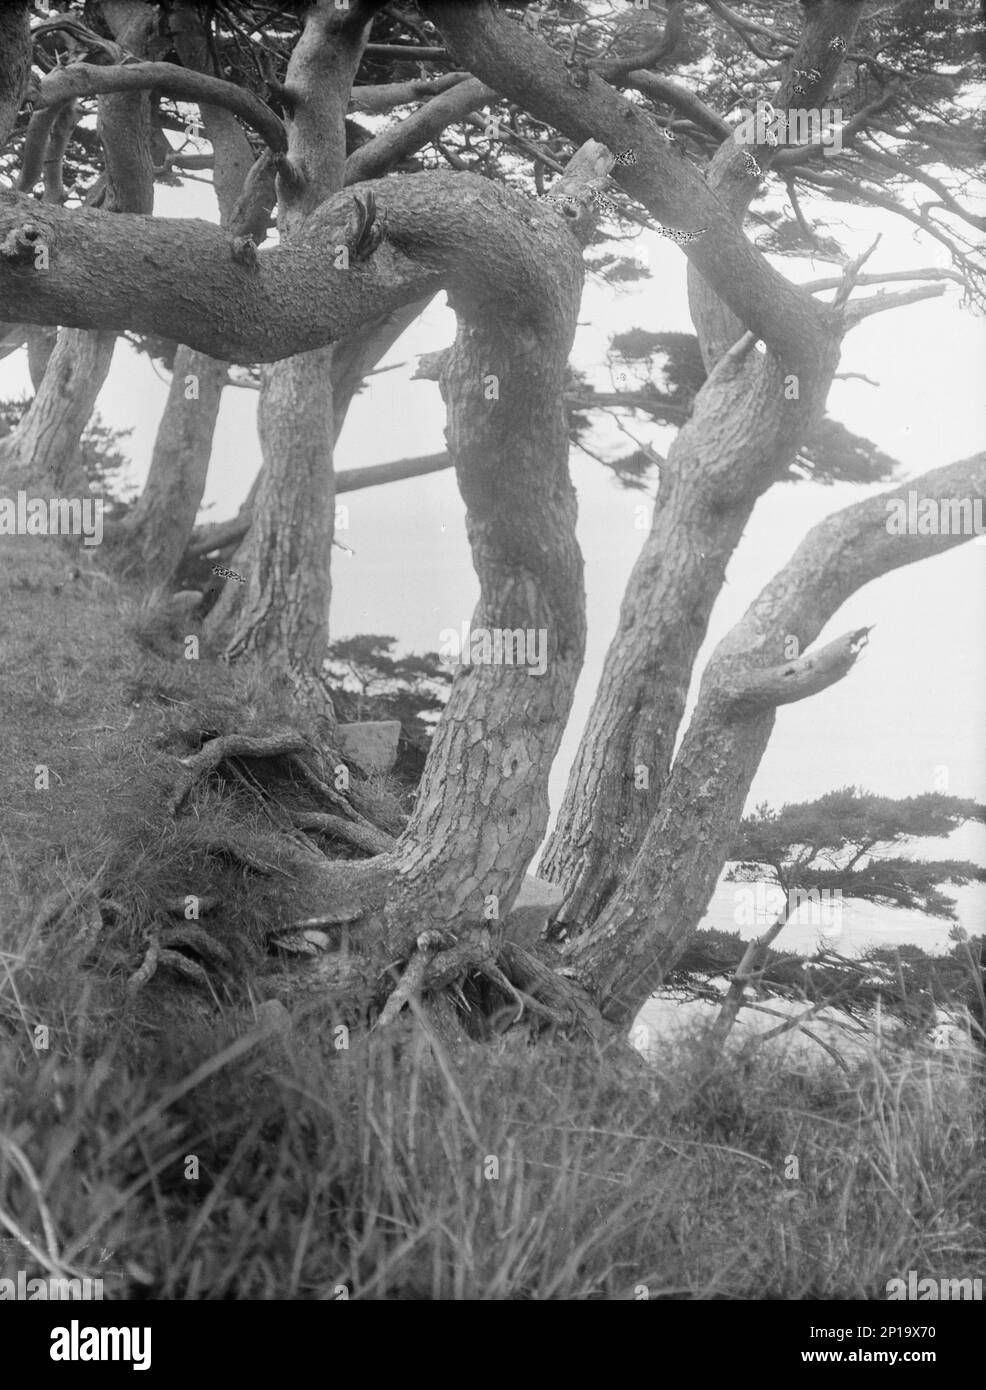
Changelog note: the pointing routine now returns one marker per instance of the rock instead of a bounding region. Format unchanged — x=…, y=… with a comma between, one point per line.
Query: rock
x=534, y=904
x=371, y=746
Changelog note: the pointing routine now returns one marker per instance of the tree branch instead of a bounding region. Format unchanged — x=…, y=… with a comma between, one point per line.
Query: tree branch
x=796, y=680
x=379, y=155
x=377, y=100
x=176, y=278
x=526, y=70
x=858, y=309
x=181, y=84
x=226, y=533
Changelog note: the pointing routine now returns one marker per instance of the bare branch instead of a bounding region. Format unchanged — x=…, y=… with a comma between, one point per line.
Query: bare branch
x=377, y=100
x=665, y=89
x=379, y=155
x=796, y=680
x=859, y=309
x=181, y=84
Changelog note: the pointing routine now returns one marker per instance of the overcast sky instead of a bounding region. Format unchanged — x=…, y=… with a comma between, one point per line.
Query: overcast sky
x=913, y=703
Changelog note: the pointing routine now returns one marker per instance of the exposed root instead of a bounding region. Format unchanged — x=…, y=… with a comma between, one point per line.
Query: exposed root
x=328, y=794
x=523, y=1000
x=562, y=994
x=358, y=833
x=197, y=939
x=217, y=750
x=187, y=967
x=227, y=848
x=147, y=967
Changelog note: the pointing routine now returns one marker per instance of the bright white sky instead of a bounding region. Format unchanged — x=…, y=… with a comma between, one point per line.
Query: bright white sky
x=913, y=703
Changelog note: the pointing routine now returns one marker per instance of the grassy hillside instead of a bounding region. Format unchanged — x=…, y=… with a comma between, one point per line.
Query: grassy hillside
x=201, y=1134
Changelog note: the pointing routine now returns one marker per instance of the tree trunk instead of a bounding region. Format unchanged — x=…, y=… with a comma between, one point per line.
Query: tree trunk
x=283, y=611
x=156, y=533
x=749, y=419
x=482, y=806
x=43, y=451
x=644, y=929
x=752, y=960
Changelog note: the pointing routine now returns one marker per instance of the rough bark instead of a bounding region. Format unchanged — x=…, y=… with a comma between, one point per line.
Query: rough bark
x=15, y=69
x=626, y=952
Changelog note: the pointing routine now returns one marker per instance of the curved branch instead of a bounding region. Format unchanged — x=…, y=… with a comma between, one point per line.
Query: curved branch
x=526, y=70
x=615, y=69
x=685, y=102
x=177, y=278
x=181, y=84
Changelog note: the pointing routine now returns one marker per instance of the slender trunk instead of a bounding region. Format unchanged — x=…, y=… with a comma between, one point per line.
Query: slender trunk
x=752, y=961
x=40, y=345
x=157, y=532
